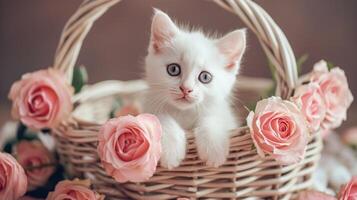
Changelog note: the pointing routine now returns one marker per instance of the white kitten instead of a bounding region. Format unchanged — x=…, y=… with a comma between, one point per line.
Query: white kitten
x=190, y=79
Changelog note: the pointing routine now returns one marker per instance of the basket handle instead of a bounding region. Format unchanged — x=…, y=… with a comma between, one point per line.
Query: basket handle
x=270, y=36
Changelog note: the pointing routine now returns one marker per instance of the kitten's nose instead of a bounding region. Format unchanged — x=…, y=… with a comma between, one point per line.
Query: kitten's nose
x=185, y=90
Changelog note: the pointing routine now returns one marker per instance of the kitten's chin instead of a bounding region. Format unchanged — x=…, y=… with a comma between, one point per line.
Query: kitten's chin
x=183, y=104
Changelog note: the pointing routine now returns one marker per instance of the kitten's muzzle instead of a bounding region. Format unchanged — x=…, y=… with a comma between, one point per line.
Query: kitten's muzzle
x=185, y=90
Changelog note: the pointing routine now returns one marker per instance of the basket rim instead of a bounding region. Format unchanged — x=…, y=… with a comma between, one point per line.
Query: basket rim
x=269, y=34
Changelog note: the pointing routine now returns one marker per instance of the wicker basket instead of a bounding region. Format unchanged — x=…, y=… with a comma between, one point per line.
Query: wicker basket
x=244, y=176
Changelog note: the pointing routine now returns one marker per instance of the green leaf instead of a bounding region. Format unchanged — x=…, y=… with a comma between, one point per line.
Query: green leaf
x=300, y=61
x=251, y=106
x=80, y=78
x=116, y=105
x=30, y=136
x=330, y=65
x=354, y=147
x=8, y=146
x=21, y=131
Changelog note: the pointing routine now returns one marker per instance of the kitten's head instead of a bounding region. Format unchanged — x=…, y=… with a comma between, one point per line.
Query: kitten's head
x=186, y=68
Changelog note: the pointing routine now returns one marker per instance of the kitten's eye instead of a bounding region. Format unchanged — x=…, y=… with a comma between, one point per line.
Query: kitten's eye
x=173, y=69
x=205, y=77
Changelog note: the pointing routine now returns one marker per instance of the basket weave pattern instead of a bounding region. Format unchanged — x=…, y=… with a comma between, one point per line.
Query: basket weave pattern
x=244, y=175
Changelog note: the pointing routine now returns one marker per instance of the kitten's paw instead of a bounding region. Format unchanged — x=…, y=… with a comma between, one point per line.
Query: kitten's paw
x=213, y=151
x=173, y=143
x=213, y=156
x=217, y=158
x=173, y=150
x=172, y=158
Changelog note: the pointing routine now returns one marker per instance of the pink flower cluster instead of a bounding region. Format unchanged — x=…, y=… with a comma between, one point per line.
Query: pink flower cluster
x=282, y=128
x=14, y=182
x=33, y=166
x=325, y=99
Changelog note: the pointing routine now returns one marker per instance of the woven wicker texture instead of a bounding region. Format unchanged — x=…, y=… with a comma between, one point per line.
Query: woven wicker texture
x=244, y=176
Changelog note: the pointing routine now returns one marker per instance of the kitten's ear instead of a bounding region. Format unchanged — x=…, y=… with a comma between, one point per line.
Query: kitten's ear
x=163, y=30
x=233, y=46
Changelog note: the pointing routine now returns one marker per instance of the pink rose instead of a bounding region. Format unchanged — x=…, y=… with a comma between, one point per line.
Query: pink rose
x=74, y=190
x=13, y=180
x=314, y=195
x=278, y=128
x=337, y=94
x=41, y=99
x=309, y=98
x=37, y=161
x=129, y=147
x=349, y=191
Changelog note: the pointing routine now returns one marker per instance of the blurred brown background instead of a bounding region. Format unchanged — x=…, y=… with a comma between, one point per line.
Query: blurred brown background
x=115, y=47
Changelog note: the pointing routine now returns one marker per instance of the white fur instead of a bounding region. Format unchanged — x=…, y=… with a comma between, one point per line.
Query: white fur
x=207, y=111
